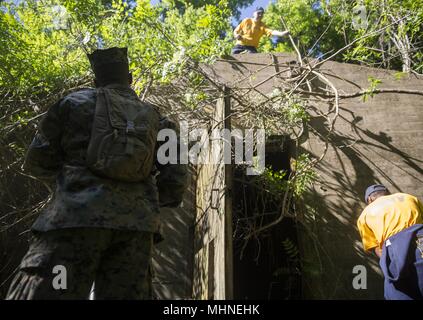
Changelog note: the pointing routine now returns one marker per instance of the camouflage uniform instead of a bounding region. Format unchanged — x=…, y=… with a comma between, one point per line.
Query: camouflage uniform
x=116, y=260
x=99, y=229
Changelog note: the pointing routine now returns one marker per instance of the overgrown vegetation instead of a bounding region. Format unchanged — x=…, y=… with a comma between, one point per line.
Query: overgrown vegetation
x=43, y=46
x=379, y=33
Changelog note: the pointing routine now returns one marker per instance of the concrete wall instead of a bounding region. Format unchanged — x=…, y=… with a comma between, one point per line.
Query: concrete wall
x=173, y=257
x=379, y=140
x=192, y=261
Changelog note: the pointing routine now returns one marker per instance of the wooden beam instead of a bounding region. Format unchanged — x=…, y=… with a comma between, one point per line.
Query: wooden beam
x=229, y=291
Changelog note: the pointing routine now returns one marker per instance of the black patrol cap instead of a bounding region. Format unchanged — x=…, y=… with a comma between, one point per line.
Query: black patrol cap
x=110, y=64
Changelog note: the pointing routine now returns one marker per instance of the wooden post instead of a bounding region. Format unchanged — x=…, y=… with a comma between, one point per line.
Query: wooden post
x=229, y=292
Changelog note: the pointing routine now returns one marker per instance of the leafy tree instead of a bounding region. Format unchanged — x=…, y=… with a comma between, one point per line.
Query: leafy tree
x=44, y=43
x=43, y=46
x=234, y=5
x=381, y=33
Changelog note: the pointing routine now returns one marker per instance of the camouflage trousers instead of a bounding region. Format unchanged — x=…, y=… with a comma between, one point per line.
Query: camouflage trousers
x=116, y=261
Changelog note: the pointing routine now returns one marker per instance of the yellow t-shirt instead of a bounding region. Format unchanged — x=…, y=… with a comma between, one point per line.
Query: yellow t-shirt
x=251, y=32
x=387, y=216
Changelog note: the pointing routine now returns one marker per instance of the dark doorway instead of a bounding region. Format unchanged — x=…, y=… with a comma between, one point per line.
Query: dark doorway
x=267, y=266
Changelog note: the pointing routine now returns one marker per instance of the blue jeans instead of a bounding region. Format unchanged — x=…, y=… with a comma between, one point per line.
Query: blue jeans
x=239, y=48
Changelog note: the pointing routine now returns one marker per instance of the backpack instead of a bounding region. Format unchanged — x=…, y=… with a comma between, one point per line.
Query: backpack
x=123, y=136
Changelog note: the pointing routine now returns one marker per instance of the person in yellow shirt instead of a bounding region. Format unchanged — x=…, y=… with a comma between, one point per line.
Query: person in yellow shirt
x=392, y=226
x=249, y=32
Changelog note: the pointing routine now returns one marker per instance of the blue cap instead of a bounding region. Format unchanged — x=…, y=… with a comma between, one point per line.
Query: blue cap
x=373, y=188
x=259, y=9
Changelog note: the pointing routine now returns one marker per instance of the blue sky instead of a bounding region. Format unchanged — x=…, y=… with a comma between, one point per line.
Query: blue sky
x=246, y=12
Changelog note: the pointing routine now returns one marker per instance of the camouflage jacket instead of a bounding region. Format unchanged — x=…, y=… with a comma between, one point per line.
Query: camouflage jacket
x=81, y=199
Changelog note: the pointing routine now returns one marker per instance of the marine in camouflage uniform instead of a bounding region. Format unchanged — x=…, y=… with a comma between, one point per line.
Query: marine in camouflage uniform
x=101, y=230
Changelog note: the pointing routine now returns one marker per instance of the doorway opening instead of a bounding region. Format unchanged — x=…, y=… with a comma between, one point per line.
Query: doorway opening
x=267, y=266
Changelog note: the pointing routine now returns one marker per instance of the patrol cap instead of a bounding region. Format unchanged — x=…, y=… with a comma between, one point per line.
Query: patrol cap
x=110, y=63
x=372, y=189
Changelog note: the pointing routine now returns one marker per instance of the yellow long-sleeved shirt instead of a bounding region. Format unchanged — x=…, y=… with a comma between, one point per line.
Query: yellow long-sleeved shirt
x=387, y=216
x=251, y=32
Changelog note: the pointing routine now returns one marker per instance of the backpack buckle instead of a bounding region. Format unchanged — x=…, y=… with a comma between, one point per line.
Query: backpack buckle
x=130, y=127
